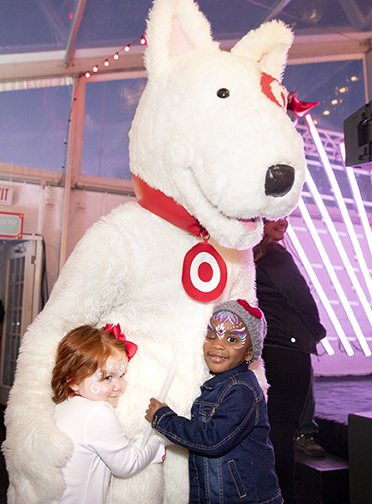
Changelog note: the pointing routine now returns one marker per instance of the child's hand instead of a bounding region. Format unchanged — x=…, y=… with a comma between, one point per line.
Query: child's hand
x=153, y=408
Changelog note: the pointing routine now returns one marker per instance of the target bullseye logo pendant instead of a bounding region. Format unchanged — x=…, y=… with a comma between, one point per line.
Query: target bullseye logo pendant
x=204, y=273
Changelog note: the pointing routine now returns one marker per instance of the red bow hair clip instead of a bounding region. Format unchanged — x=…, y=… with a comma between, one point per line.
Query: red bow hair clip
x=115, y=330
x=256, y=312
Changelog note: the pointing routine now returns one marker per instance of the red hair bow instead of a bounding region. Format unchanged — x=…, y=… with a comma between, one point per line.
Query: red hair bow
x=256, y=312
x=115, y=330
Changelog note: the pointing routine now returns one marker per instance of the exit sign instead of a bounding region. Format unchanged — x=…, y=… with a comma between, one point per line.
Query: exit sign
x=6, y=195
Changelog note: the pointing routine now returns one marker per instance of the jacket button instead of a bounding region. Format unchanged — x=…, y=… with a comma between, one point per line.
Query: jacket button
x=293, y=340
x=195, y=478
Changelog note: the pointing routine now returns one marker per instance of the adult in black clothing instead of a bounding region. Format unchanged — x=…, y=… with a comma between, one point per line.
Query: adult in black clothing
x=293, y=330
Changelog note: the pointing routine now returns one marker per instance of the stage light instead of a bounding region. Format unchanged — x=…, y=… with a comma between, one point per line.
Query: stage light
x=143, y=40
x=333, y=232
x=347, y=220
x=126, y=48
x=335, y=281
x=95, y=68
x=116, y=56
x=329, y=266
x=87, y=75
x=106, y=63
x=358, y=199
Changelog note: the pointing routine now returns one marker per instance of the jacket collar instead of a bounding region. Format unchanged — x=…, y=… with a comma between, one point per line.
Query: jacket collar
x=212, y=383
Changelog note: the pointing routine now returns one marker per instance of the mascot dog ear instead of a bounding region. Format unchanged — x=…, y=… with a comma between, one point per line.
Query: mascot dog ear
x=174, y=28
x=184, y=28
x=268, y=45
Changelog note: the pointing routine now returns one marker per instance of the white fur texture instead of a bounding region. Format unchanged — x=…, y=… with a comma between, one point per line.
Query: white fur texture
x=210, y=155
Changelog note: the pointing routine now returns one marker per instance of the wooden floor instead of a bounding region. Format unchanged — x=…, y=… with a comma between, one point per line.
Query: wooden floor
x=335, y=399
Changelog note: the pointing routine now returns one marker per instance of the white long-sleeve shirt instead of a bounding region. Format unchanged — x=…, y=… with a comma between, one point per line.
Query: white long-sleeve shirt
x=101, y=448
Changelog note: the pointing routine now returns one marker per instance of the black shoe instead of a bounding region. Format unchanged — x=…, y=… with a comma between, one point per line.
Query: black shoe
x=307, y=444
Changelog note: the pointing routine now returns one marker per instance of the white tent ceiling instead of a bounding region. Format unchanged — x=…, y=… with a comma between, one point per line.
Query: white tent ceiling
x=51, y=38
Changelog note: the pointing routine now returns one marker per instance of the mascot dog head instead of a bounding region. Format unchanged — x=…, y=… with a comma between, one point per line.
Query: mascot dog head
x=211, y=129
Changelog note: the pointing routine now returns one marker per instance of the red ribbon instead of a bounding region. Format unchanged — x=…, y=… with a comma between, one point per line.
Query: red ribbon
x=300, y=108
x=115, y=330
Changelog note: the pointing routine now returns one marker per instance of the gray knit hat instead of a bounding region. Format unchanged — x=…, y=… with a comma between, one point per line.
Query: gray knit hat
x=253, y=319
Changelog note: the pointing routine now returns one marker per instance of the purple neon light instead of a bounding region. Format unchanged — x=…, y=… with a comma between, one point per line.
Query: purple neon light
x=349, y=225
x=338, y=243
x=322, y=295
x=358, y=199
x=328, y=265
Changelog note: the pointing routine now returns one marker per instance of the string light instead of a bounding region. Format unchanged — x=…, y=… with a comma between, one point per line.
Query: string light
x=115, y=57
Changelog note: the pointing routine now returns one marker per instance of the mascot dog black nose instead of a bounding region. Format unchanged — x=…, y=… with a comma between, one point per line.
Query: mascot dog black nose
x=279, y=180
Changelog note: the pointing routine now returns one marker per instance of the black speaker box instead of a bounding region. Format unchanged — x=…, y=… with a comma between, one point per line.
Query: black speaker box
x=358, y=138
x=322, y=481
x=360, y=458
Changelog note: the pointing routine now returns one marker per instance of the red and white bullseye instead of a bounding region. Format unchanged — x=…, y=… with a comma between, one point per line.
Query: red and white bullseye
x=204, y=273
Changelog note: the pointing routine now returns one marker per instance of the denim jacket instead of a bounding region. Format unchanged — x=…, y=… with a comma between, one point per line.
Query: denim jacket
x=231, y=459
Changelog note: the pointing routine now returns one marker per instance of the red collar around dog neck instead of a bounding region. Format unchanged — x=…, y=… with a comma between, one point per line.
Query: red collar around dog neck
x=165, y=207
x=204, y=272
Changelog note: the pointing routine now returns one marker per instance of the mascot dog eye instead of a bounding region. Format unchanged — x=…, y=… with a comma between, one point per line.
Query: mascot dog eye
x=223, y=93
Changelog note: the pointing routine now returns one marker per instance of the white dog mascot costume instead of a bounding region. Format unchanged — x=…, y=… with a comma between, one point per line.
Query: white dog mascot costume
x=212, y=150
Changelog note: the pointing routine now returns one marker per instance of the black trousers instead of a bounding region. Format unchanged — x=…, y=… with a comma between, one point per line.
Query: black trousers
x=289, y=375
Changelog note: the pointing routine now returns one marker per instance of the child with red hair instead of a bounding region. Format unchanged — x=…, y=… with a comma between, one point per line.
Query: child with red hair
x=88, y=380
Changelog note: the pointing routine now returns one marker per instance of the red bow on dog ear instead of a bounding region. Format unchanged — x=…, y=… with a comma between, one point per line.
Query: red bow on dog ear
x=300, y=108
x=115, y=330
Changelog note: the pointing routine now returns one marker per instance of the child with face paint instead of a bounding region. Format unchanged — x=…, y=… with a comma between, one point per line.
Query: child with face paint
x=88, y=380
x=231, y=458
